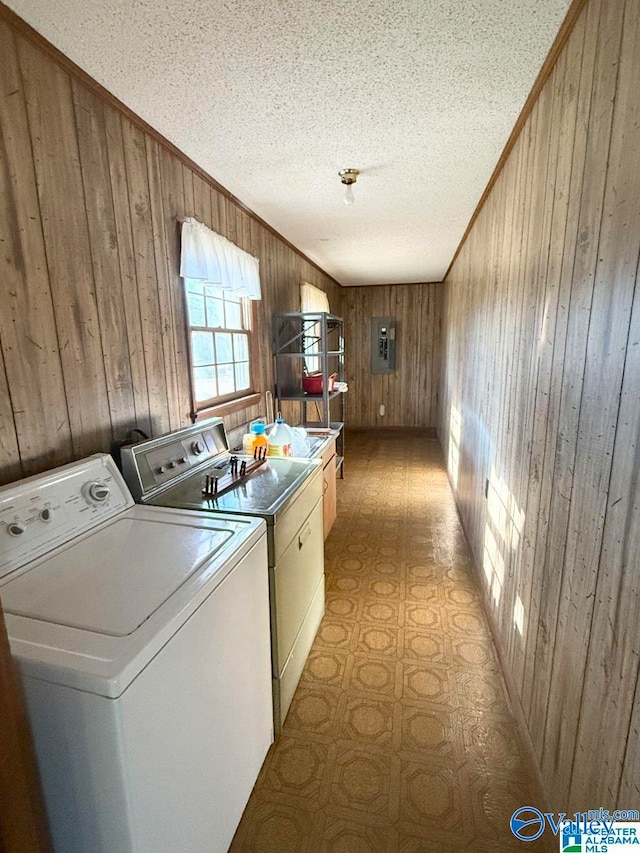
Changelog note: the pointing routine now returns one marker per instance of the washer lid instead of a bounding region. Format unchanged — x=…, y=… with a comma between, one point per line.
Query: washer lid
x=115, y=579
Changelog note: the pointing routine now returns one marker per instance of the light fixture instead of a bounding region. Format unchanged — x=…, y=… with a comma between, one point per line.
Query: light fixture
x=348, y=178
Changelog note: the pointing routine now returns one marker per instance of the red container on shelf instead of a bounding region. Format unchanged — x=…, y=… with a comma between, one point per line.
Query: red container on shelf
x=312, y=383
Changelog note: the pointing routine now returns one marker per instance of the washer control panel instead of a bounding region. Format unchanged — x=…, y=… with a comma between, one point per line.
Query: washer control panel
x=50, y=509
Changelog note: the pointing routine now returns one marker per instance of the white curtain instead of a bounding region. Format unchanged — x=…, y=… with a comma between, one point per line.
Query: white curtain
x=211, y=258
x=313, y=299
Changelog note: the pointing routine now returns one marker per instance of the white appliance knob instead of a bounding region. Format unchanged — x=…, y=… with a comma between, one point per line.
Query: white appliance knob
x=96, y=492
x=16, y=528
x=197, y=447
x=45, y=514
x=182, y=460
x=99, y=492
x=161, y=469
x=172, y=464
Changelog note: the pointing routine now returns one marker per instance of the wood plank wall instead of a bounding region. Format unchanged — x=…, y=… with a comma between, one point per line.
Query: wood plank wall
x=541, y=396
x=92, y=327
x=410, y=395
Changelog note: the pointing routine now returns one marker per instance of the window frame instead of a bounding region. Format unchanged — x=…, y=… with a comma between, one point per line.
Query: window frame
x=249, y=319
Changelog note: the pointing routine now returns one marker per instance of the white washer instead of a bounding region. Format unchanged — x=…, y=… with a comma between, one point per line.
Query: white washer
x=142, y=638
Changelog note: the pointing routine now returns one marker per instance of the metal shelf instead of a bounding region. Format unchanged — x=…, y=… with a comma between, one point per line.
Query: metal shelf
x=311, y=316
x=319, y=338
x=315, y=354
x=310, y=398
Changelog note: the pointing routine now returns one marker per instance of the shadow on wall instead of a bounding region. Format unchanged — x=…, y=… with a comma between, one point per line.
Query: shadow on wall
x=455, y=436
x=504, y=526
x=502, y=536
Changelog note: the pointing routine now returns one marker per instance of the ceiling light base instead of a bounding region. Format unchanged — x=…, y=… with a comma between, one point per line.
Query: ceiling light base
x=349, y=176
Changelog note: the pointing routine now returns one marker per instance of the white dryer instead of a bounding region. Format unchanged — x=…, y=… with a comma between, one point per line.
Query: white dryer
x=142, y=638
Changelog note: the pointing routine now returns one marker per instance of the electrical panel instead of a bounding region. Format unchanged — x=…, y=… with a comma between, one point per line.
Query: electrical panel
x=383, y=345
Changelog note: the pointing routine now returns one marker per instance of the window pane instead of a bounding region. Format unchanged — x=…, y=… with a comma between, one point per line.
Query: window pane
x=224, y=347
x=234, y=315
x=240, y=348
x=215, y=313
x=226, y=384
x=202, y=347
x=195, y=306
x=205, y=383
x=220, y=348
x=242, y=376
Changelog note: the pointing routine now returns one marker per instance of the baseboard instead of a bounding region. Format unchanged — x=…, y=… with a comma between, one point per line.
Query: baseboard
x=417, y=430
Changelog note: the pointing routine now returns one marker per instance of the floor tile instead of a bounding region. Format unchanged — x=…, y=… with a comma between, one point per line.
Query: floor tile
x=399, y=738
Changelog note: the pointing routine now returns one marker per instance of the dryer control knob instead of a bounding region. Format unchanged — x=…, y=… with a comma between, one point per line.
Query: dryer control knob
x=15, y=528
x=197, y=447
x=95, y=493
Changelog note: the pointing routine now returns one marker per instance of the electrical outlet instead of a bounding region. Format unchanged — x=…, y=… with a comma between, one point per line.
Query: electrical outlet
x=382, y=411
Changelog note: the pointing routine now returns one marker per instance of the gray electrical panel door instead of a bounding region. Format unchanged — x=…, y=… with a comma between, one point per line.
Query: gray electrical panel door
x=383, y=345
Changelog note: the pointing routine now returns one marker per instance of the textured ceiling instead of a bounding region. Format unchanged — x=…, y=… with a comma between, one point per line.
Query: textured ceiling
x=273, y=97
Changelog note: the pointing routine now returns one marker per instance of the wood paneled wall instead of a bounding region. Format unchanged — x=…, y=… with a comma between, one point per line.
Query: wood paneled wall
x=541, y=397
x=92, y=327
x=410, y=395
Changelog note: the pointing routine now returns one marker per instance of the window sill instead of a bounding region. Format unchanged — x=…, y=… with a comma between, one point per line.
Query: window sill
x=229, y=408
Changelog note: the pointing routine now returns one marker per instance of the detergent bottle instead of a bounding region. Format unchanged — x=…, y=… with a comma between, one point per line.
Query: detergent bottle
x=280, y=439
x=255, y=438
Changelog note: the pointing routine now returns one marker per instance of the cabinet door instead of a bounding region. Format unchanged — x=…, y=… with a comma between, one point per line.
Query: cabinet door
x=329, y=509
x=328, y=452
x=296, y=578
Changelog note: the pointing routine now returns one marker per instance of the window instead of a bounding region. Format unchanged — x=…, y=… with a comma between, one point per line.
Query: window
x=219, y=340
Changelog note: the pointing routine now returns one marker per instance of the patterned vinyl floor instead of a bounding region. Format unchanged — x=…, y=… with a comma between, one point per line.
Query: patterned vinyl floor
x=399, y=738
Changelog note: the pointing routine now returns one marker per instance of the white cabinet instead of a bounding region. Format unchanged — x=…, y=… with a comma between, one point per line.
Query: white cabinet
x=299, y=605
